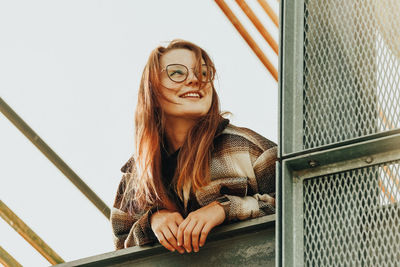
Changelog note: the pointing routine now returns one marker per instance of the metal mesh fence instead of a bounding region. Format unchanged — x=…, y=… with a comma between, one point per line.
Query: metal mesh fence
x=352, y=218
x=351, y=79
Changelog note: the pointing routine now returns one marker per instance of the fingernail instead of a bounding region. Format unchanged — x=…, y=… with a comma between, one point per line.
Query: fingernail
x=188, y=250
x=201, y=245
x=173, y=250
x=179, y=244
x=196, y=250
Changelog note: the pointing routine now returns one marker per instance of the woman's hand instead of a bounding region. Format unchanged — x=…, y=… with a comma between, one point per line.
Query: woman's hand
x=194, y=229
x=164, y=224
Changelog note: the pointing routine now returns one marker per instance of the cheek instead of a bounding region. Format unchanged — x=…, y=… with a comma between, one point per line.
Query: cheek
x=210, y=92
x=209, y=99
x=167, y=83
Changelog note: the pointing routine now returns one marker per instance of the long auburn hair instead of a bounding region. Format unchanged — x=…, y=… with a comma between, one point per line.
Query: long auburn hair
x=144, y=187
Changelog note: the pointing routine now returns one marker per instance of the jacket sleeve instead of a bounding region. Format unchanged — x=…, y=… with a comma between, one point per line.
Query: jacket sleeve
x=129, y=229
x=258, y=202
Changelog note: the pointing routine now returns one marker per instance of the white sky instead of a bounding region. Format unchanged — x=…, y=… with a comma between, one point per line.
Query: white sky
x=71, y=70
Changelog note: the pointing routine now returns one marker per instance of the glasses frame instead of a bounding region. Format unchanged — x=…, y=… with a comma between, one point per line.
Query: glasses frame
x=187, y=75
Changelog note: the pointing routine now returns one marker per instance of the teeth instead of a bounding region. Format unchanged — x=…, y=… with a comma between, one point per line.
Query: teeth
x=191, y=95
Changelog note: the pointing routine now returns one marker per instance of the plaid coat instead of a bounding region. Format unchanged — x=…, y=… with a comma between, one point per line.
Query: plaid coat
x=242, y=170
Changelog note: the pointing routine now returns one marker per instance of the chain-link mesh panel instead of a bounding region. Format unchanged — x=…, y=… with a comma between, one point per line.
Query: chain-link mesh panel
x=352, y=218
x=351, y=69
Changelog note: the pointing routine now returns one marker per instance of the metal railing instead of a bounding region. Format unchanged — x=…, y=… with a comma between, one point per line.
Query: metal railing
x=245, y=243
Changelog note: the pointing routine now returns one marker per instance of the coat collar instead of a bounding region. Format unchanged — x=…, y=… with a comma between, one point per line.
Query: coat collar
x=221, y=127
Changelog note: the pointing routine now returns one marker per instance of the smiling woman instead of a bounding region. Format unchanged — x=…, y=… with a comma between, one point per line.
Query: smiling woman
x=192, y=170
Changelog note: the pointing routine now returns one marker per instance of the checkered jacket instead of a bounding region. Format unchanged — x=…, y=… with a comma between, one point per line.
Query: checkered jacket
x=242, y=171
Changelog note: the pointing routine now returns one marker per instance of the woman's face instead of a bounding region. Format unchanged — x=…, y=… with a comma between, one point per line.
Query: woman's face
x=183, y=99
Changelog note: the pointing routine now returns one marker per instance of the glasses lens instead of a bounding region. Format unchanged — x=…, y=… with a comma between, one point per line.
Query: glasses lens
x=177, y=72
x=207, y=74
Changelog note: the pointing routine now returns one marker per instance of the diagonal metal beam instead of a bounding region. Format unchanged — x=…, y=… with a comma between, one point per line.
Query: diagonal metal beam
x=270, y=12
x=8, y=260
x=246, y=36
x=29, y=235
x=53, y=157
x=257, y=23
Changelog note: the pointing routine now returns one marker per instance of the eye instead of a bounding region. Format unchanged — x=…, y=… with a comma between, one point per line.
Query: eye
x=204, y=70
x=178, y=72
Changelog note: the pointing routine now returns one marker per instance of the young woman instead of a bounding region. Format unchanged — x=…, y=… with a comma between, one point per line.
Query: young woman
x=191, y=169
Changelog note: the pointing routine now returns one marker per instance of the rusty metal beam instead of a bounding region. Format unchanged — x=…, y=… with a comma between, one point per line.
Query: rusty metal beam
x=270, y=12
x=29, y=235
x=8, y=260
x=246, y=36
x=259, y=26
x=53, y=157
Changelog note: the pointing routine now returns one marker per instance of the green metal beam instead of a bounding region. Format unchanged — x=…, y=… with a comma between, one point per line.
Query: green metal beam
x=355, y=155
x=53, y=157
x=28, y=234
x=245, y=243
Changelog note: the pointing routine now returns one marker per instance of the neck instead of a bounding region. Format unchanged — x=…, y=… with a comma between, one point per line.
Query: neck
x=176, y=130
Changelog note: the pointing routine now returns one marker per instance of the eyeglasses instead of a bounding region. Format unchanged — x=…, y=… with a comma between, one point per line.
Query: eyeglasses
x=178, y=73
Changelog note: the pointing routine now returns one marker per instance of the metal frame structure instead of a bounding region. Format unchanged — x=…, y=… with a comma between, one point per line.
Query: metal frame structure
x=358, y=153
x=297, y=164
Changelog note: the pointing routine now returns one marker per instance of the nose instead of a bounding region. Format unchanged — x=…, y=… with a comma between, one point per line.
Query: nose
x=192, y=79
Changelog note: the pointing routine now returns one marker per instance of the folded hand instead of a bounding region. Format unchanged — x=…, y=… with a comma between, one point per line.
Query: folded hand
x=194, y=229
x=164, y=224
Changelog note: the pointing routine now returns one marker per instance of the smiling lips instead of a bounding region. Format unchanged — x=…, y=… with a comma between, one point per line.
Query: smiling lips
x=191, y=95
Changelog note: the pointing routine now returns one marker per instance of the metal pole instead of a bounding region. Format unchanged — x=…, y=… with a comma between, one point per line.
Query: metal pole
x=257, y=23
x=53, y=157
x=29, y=235
x=246, y=36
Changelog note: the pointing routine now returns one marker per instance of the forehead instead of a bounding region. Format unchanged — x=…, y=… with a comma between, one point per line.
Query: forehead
x=179, y=56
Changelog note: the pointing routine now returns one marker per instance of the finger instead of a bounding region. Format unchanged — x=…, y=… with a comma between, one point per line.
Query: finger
x=187, y=235
x=173, y=227
x=171, y=240
x=204, y=233
x=181, y=228
x=195, y=236
x=163, y=241
x=179, y=219
x=174, y=230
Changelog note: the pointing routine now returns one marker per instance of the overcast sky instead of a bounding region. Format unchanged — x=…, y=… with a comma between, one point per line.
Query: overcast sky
x=71, y=70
